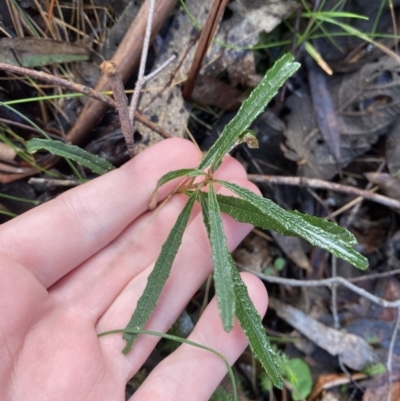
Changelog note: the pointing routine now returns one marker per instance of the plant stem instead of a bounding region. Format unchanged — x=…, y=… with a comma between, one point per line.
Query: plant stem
x=51, y=79
x=321, y=184
x=141, y=80
x=117, y=86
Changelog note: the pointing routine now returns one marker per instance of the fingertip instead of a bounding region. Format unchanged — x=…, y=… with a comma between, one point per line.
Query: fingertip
x=230, y=169
x=170, y=149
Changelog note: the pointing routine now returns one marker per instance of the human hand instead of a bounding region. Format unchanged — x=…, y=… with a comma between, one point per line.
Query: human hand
x=76, y=266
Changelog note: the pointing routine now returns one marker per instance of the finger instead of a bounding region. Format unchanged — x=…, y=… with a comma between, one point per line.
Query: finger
x=61, y=234
x=193, y=374
x=89, y=290
x=191, y=267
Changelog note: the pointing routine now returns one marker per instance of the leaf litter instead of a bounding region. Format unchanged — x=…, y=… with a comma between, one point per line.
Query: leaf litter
x=364, y=91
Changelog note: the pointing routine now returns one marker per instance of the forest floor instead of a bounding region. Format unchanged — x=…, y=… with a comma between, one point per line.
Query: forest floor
x=329, y=146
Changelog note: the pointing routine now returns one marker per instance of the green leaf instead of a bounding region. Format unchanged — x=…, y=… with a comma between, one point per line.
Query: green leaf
x=222, y=264
x=250, y=110
x=204, y=210
x=159, y=275
x=95, y=163
x=191, y=172
x=244, y=211
x=294, y=223
x=328, y=226
x=250, y=321
x=300, y=378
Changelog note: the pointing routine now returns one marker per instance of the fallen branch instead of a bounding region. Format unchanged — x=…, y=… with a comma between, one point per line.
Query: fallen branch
x=329, y=282
x=53, y=80
x=321, y=184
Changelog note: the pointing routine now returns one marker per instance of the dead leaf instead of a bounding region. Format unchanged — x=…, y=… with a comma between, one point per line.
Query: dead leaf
x=212, y=92
x=366, y=105
x=35, y=52
x=380, y=393
x=392, y=148
x=253, y=253
x=389, y=185
x=328, y=381
x=353, y=350
x=293, y=248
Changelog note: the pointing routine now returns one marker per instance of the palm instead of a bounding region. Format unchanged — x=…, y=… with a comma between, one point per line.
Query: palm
x=76, y=267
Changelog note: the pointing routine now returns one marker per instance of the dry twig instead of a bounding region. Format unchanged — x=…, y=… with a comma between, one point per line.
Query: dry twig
x=140, y=81
x=321, y=184
x=109, y=68
x=206, y=36
x=126, y=59
x=51, y=79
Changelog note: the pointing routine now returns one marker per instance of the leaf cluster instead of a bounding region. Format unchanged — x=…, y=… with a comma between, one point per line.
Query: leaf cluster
x=232, y=296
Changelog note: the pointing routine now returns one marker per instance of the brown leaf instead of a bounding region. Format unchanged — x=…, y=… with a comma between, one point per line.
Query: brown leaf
x=331, y=380
x=389, y=185
x=213, y=92
x=353, y=350
x=380, y=393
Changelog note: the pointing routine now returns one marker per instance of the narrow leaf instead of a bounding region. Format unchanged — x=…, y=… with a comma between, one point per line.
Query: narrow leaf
x=191, y=172
x=95, y=163
x=159, y=275
x=243, y=211
x=204, y=210
x=250, y=109
x=221, y=258
x=294, y=223
x=250, y=321
x=332, y=228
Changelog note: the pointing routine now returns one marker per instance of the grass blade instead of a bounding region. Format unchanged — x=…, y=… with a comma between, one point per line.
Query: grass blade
x=311, y=229
x=159, y=275
x=221, y=258
x=95, y=163
x=250, y=321
x=250, y=109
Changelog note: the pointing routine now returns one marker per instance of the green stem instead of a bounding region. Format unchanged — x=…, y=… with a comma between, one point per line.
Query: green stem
x=182, y=341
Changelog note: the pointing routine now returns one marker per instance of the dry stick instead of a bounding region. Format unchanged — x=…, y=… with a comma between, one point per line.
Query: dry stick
x=327, y=283
x=164, y=65
x=117, y=86
x=141, y=81
x=173, y=74
x=336, y=323
x=357, y=207
x=374, y=276
x=126, y=58
x=53, y=182
x=321, y=184
x=390, y=354
x=52, y=79
x=206, y=36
